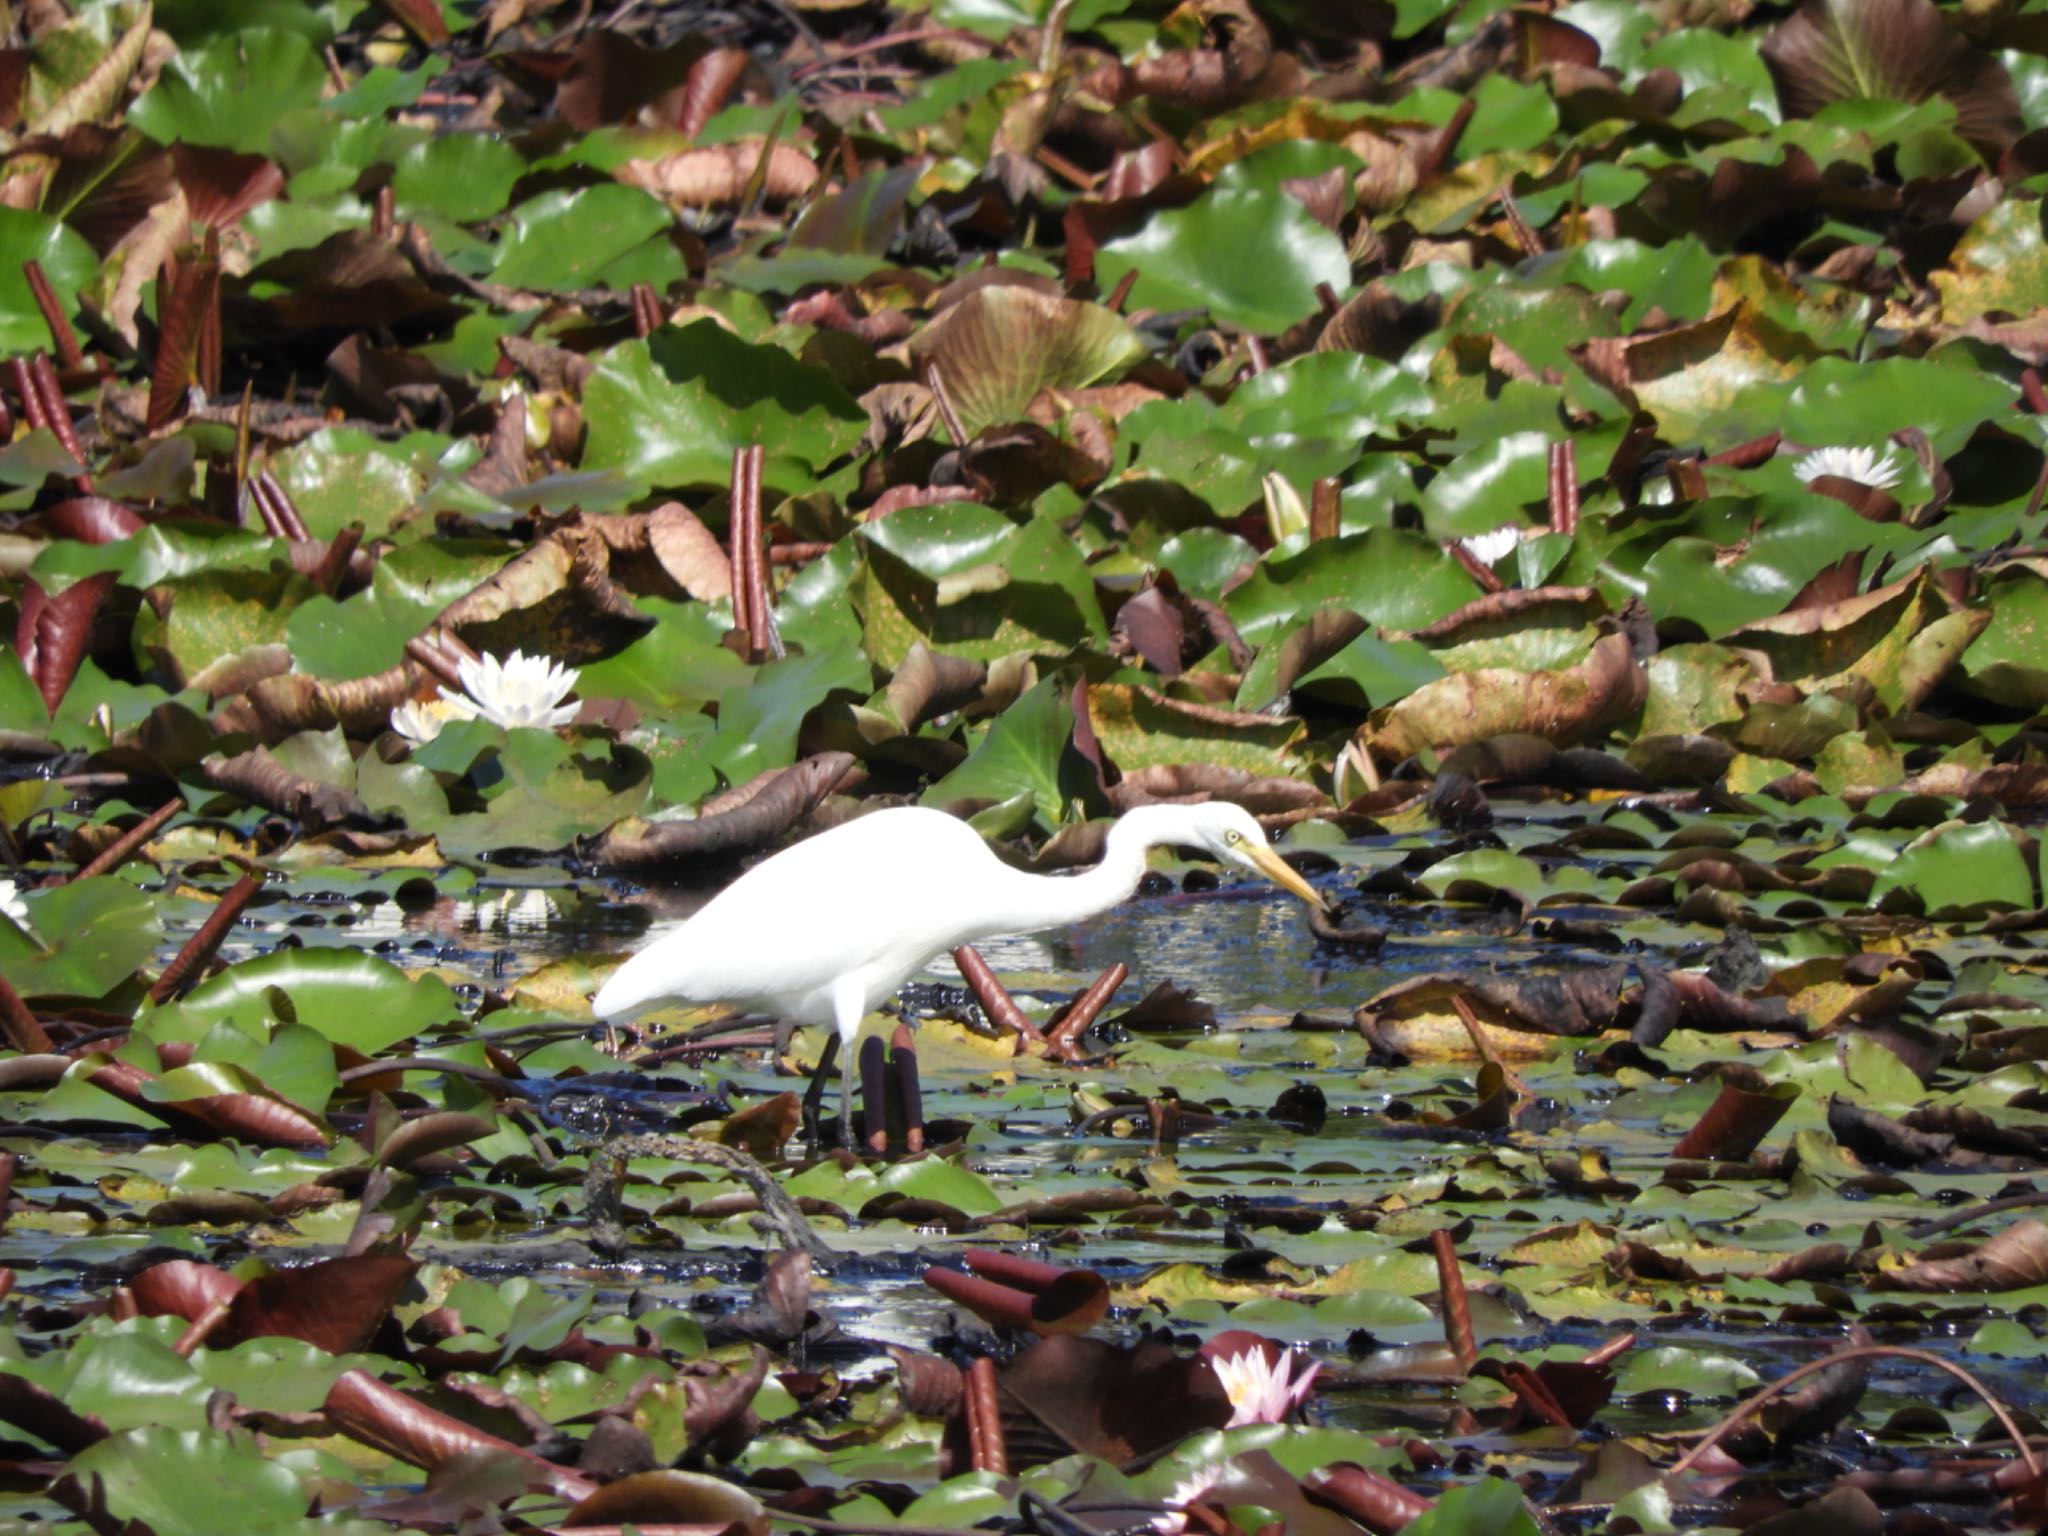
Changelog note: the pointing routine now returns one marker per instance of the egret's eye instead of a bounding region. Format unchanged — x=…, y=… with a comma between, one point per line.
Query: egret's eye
x=1233, y=837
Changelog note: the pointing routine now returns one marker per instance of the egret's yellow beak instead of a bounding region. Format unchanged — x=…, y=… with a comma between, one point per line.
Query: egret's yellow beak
x=1281, y=873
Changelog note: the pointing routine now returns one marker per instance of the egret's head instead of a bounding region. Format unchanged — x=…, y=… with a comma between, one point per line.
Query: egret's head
x=1230, y=833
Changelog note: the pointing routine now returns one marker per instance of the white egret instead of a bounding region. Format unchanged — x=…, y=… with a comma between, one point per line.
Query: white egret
x=830, y=928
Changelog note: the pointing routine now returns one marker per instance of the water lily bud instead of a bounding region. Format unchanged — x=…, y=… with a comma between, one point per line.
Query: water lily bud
x=1286, y=514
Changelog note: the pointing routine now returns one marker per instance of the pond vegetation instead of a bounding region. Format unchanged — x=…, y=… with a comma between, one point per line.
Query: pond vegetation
x=477, y=474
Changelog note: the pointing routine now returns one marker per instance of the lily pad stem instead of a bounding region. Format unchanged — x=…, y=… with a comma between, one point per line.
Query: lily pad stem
x=1778, y=1388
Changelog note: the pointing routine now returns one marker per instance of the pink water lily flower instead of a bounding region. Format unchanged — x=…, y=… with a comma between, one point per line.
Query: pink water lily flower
x=1260, y=1378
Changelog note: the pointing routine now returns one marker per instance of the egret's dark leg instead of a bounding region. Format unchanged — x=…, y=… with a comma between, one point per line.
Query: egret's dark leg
x=814, y=1095
x=849, y=1004
x=846, y=1097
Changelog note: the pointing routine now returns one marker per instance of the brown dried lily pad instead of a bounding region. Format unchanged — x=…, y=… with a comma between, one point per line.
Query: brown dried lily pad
x=1519, y=1016
x=742, y=821
x=1002, y=345
x=1563, y=705
x=1891, y=50
x=719, y=176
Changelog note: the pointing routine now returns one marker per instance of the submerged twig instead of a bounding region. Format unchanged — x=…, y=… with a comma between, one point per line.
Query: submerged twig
x=601, y=1190
x=124, y=847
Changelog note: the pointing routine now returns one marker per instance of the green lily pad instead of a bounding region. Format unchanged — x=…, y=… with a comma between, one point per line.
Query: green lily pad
x=592, y=237
x=232, y=90
x=1968, y=868
x=1252, y=259
x=352, y=998
x=1396, y=579
x=87, y=938
x=1026, y=750
x=67, y=261
x=190, y=1482
x=672, y=410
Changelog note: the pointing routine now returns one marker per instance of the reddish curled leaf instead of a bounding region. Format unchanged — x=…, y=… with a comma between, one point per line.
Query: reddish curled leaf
x=1736, y=1123
x=1378, y=1503
x=1207, y=80
x=708, y=87
x=181, y=1288
x=689, y=553
x=92, y=520
x=244, y=1116
x=762, y=1130
x=1545, y=40
x=1456, y=1308
x=720, y=175
x=1155, y=629
x=1533, y=1399
x=221, y=185
x=610, y=77
x=438, y=1132
x=931, y=1387
x=43, y=1414
x=24, y=1031
x=365, y=1409
x=181, y=322
x=1879, y=1139
x=669, y=1499
x=1827, y=1398
x=282, y=705
x=1018, y=1293
x=52, y=633
x=720, y=1407
x=1560, y=705
x=1106, y=1400
x=928, y=684
x=335, y=1304
x=1157, y=783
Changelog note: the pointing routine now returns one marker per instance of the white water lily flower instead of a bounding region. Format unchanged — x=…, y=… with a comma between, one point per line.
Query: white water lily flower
x=1263, y=1389
x=1489, y=547
x=419, y=721
x=15, y=909
x=1184, y=1494
x=520, y=690
x=1874, y=467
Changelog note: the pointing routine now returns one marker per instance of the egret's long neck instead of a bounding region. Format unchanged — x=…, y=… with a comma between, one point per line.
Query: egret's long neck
x=1033, y=902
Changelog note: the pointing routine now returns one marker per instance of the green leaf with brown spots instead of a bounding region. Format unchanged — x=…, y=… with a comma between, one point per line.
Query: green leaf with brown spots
x=1139, y=728
x=1998, y=268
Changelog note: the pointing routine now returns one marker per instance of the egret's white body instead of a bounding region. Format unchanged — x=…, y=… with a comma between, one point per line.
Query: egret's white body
x=827, y=930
